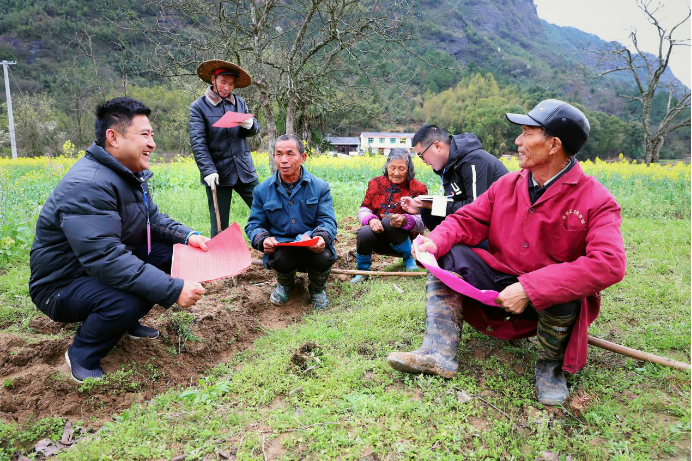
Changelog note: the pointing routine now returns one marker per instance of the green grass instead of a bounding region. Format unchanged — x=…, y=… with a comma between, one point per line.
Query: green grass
x=21, y=438
x=351, y=403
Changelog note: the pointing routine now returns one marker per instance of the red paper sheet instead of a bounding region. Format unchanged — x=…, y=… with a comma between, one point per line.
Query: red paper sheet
x=302, y=243
x=228, y=255
x=231, y=119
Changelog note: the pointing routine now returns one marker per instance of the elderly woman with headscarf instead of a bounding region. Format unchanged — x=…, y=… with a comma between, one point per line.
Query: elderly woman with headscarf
x=386, y=228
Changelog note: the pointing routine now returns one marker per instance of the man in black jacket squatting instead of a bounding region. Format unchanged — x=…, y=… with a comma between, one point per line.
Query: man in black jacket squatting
x=102, y=251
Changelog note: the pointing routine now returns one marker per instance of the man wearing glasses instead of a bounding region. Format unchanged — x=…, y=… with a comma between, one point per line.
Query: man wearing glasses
x=465, y=169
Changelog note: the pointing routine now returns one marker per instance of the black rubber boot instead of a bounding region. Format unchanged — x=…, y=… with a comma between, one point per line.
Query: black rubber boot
x=279, y=296
x=318, y=281
x=551, y=385
x=553, y=333
x=443, y=321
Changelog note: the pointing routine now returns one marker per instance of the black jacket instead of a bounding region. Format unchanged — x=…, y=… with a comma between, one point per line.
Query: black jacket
x=468, y=173
x=221, y=150
x=90, y=224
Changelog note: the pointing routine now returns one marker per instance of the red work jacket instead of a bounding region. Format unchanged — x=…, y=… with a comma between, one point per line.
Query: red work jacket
x=564, y=247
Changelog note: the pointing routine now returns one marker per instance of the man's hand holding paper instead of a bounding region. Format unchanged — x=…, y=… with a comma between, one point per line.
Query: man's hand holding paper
x=198, y=241
x=318, y=247
x=423, y=244
x=513, y=299
x=270, y=245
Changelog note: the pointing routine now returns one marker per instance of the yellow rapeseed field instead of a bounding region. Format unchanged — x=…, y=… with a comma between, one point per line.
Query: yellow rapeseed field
x=622, y=168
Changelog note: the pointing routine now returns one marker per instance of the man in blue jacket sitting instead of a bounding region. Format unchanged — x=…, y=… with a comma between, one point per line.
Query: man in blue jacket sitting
x=102, y=251
x=294, y=205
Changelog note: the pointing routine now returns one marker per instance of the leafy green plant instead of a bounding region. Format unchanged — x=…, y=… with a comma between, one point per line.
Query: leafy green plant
x=182, y=325
x=116, y=381
x=207, y=391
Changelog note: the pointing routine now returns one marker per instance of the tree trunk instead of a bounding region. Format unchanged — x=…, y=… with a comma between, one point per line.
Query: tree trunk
x=271, y=128
x=290, y=115
x=657, y=147
x=648, y=151
x=307, y=133
x=652, y=148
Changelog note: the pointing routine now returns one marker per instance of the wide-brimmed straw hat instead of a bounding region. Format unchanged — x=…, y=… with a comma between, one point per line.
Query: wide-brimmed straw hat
x=209, y=68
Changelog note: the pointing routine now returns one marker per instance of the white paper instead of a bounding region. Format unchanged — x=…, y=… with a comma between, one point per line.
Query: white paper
x=428, y=198
x=439, y=206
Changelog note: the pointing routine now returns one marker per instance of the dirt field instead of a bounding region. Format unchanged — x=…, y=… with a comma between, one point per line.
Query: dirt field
x=227, y=320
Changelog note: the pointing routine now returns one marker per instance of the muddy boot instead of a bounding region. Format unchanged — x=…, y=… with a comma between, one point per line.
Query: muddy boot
x=404, y=249
x=553, y=333
x=318, y=280
x=363, y=263
x=443, y=321
x=283, y=288
x=551, y=385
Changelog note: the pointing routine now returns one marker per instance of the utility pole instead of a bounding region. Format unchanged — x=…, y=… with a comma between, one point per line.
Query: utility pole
x=5, y=65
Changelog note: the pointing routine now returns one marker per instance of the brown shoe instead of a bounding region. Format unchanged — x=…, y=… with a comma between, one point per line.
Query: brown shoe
x=443, y=320
x=551, y=385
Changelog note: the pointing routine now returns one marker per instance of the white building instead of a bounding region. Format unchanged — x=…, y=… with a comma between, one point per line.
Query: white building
x=382, y=143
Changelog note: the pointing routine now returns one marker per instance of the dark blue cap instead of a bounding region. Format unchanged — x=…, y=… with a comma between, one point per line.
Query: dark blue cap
x=560, y=119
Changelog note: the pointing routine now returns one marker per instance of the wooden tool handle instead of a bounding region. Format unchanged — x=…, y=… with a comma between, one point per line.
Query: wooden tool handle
x=258, y=262
x=637, y=354
x=216, y=209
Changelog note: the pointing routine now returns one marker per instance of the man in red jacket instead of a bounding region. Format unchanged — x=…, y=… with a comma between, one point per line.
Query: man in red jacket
x=554, y=244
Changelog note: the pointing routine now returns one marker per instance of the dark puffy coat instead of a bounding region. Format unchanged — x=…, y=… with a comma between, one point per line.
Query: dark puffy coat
x=90, y=224
x=221, y=150
x=469, y=172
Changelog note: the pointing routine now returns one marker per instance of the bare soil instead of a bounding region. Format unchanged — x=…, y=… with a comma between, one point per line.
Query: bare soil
x=227, y=320
x=35, y=381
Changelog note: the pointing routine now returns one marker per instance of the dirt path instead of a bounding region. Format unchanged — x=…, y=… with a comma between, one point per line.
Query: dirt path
x=36, y=382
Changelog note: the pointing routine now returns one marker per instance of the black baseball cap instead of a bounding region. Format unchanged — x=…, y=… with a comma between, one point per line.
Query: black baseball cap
x=560, y=119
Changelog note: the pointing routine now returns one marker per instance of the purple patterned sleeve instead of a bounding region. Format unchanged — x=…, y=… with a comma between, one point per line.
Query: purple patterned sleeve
x=414, y=224
x=410, y=222
x=365, y=214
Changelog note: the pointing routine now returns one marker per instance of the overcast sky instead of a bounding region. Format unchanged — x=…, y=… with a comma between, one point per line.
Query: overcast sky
x=615, y=19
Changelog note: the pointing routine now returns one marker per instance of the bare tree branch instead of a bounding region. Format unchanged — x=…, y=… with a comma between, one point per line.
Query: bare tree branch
x=622, y=59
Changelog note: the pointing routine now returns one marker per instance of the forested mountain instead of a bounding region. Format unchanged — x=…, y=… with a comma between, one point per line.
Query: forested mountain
x=470, y=61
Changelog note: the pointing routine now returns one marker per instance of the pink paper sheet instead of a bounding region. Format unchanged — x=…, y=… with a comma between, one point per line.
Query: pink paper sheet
x=301, y=243
x=231, y=119
x=454, y=282
x=228, y=255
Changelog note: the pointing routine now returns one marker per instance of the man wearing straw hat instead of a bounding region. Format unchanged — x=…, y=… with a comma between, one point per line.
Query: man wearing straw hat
x=222, y=154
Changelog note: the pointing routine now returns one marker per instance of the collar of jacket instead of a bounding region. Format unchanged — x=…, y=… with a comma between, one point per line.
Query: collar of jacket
x=571, y=177
x=102, y=156
x=305, y=176
x=215, y=99
x=459, y=146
